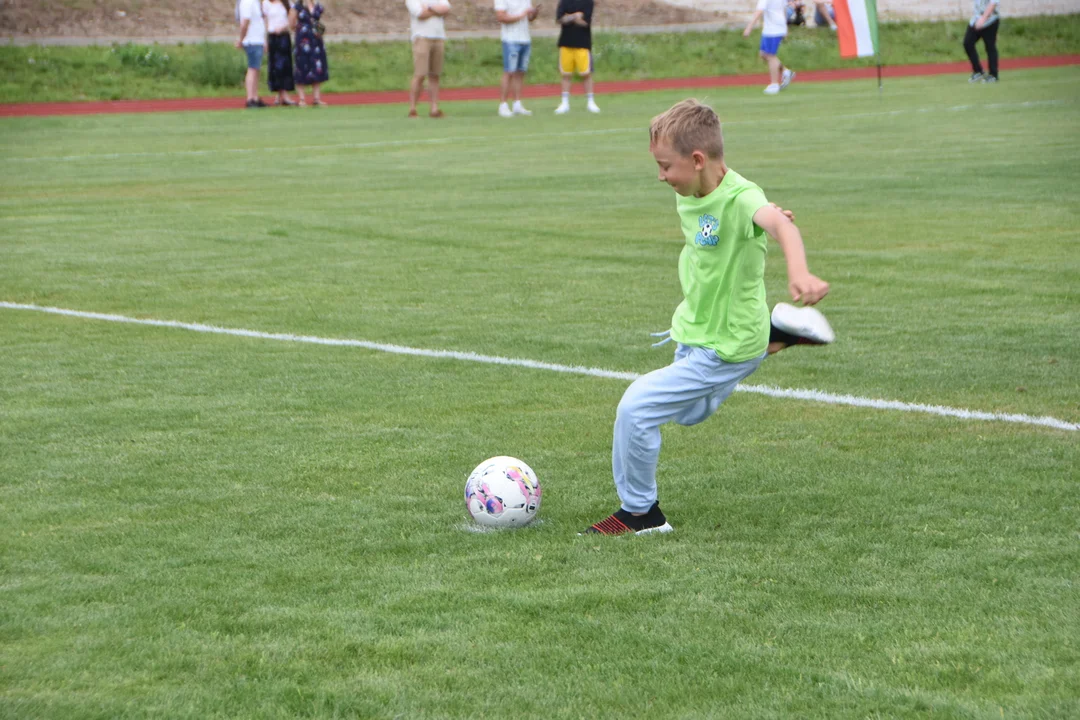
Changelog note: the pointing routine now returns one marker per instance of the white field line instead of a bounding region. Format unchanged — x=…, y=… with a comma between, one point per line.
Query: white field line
x=795, y=394
x=488, y=139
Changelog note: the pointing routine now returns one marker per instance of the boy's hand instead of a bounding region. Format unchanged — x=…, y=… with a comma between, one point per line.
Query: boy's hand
x=807, y=288
x=746, y=32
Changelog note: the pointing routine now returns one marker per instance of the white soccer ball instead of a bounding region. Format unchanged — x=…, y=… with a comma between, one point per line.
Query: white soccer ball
x=502, y=492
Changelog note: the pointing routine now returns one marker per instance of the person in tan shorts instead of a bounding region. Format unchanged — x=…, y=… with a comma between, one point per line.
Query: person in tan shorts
x=428, y=32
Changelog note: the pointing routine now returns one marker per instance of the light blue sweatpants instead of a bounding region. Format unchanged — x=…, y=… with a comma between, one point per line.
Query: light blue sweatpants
x=687, y=391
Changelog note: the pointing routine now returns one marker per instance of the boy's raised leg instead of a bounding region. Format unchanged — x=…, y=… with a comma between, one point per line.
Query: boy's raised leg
x=798, y=326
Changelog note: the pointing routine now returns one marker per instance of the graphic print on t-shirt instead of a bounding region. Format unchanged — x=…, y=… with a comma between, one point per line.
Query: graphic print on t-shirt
x=707, y=234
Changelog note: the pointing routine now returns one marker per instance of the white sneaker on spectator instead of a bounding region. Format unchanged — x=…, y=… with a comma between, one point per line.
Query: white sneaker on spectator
x=786, y=79
x=519, y=109
x=562, y=109
x=592, y=107
x=772, y=89
x=504, y=110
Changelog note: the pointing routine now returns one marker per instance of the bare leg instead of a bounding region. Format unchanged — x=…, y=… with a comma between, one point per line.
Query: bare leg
x=566, y=82
x=587, y=79
x=415, y=88
x=775, y=68
x=505, y=87
x=516, y=82
x=433, y=90
x=315, y=93
x=251, y=84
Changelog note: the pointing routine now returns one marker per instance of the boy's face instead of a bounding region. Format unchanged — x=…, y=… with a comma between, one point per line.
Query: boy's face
x=677, y=170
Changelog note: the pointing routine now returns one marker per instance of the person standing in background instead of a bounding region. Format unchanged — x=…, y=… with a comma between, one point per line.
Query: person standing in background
x=514, y=16
x=427, y=29
x=983, y=26
x=311, y=67
x=253, y=42
x=575, y=50
x=279, y=75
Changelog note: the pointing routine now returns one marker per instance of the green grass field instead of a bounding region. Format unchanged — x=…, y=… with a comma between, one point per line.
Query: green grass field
x=213, y=526
x=129, y=71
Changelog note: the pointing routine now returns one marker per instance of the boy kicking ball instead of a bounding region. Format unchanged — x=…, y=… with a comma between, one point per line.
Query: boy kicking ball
x=773, y=32
x=723, y=326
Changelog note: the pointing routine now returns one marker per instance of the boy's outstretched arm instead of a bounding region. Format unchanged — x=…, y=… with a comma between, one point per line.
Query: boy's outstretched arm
x=801, y=284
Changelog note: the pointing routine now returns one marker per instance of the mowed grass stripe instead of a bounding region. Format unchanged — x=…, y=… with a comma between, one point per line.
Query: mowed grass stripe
x=523, y=136
x=786, y=393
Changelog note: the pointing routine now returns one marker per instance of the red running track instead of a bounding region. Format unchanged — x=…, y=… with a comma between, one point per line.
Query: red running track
x=534, y=91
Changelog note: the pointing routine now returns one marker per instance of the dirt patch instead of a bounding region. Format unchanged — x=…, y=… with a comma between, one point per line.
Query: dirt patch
x=214, y=18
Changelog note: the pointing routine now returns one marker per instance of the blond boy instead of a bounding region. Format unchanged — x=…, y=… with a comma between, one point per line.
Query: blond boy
x=722, y=326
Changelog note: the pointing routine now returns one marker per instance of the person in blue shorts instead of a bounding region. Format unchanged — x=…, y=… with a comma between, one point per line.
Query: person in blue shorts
x=252, y=41
x=773, y=32
x=514, y=16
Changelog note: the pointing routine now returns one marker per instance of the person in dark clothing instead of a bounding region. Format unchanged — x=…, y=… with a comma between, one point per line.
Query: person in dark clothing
x=575, y=50
x=983, y=26
x=279, y=45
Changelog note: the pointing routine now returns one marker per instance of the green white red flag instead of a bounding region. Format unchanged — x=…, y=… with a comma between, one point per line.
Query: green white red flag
x=856, y=27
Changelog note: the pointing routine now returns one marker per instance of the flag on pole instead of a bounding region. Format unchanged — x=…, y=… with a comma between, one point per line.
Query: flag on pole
x=856, y=27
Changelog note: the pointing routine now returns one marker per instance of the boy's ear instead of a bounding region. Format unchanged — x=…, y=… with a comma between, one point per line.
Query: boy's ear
x=699, y=159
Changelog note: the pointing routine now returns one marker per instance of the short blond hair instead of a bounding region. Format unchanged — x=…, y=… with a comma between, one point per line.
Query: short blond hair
x=688, y=126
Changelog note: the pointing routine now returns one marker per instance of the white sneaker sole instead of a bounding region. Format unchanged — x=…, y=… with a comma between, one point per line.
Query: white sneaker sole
x=804, y=322
x=665, y=528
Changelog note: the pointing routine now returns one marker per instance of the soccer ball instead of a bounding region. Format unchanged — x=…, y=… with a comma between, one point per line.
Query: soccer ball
x=502, y=492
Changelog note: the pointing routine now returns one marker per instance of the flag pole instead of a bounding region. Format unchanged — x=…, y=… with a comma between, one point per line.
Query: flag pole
x=877, y=59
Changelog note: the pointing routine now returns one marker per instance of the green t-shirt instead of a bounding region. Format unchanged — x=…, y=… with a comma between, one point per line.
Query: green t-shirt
x=722, y=271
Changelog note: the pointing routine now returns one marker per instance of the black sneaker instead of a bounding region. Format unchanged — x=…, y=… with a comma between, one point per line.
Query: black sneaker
x=976, y=78
x=623, y=522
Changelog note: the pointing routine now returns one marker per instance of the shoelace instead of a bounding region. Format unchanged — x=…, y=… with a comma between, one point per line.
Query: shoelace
x=666, y=335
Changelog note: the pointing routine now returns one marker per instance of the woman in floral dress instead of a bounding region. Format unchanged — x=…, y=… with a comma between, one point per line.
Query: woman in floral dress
x=310, y=53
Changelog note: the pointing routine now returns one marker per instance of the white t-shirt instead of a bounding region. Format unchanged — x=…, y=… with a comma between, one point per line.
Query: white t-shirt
x=517, y=32
x=434, y=27
x=251, y=10
x=277, y=16
x=980, y=8
x=775, y=17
